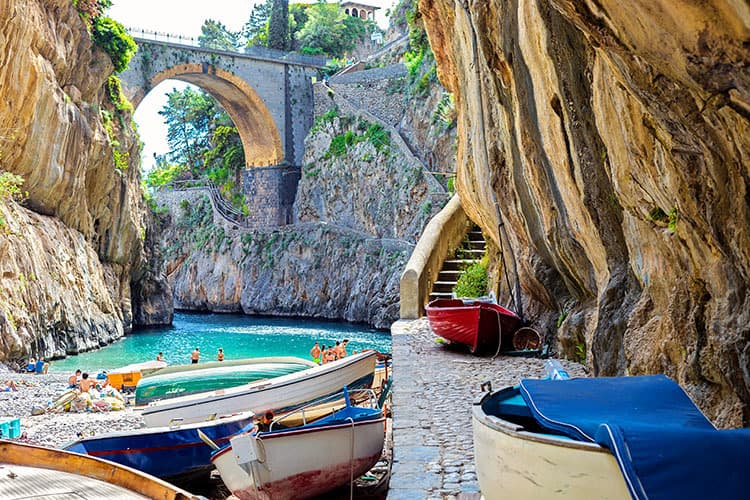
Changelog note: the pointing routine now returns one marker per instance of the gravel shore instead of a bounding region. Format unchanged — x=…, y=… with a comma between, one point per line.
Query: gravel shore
x=56, y=428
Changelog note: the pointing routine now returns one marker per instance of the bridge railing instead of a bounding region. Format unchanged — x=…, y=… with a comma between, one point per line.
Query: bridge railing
x=254, y=51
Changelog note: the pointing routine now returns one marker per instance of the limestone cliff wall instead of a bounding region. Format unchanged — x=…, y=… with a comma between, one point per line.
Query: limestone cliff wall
x=80, y=208
x=615, y=137
x=309, y=269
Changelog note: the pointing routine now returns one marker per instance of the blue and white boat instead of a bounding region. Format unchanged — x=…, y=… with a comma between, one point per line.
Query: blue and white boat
x=175, y=453
x=615, y=438
x=304, y=461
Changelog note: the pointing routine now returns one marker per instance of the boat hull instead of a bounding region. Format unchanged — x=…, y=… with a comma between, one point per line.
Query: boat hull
x=304, y=463
x=277, y=394
x=37, y=472
x=176, y=454
x=513, y=463
x=167, y=385
x=482, y=326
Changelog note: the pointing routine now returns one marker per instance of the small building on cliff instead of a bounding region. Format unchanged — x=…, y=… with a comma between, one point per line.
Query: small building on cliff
x=361, y=10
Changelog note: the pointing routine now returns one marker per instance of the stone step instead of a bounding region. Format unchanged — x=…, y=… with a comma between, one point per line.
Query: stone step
x=457, y=264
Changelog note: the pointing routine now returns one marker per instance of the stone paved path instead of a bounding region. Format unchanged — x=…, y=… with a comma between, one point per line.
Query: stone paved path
x=434, y=388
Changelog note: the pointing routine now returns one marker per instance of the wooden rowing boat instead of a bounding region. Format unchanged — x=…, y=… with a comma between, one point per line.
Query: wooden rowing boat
x=481, y=325
x=277, y=394
x=174, y=453
x=515, y=459
x=28, y=471
x=305, y=461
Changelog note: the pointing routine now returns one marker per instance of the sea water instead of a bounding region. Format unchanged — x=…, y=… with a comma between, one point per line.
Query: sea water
x=240, y=336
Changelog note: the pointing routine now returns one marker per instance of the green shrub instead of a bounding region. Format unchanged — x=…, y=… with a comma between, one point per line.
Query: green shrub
x=10, y=187
x=110, y=36
x=378, y=136
x=114, y=90
x=340, y=144
x=122, y=159
x=164, y=174
x=473, y=281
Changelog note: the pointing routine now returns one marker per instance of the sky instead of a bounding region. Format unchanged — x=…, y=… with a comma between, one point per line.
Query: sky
x=184, y=17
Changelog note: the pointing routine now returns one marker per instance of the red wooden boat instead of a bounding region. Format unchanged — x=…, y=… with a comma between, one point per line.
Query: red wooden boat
x=475, y=323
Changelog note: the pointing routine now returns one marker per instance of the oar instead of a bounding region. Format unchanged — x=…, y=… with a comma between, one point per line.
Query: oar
x=207, y=440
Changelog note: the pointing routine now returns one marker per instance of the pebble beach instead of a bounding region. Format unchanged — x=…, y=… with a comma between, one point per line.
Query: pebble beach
x=55, y=428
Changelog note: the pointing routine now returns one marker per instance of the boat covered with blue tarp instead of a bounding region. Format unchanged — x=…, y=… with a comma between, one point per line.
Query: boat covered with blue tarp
x=665, y=447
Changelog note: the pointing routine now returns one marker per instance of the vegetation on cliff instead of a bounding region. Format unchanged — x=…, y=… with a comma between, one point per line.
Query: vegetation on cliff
x=108, y=34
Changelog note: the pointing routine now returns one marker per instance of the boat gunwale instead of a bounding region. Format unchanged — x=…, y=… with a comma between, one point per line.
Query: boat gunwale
x=126, y=477
x=299, y=431
x=202, y=398
x=172, y=369
x=142, y=431
x=516, y=431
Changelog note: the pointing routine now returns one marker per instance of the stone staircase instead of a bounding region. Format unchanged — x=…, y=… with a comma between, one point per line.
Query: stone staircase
x=471, y=251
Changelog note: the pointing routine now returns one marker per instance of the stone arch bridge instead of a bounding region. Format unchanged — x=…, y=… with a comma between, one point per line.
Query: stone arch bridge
x=268, y=95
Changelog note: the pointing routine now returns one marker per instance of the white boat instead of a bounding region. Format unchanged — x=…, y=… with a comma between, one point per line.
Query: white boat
x=277, y=394
x=306, y=461
x=639, y=437
x=517, y=461
x=35, y=472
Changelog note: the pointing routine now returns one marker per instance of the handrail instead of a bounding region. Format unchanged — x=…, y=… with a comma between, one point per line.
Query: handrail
x=441, y=236
x=220, y=204
x=253, y=52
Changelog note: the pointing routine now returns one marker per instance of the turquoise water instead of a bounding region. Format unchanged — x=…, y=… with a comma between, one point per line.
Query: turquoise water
x=240, y=336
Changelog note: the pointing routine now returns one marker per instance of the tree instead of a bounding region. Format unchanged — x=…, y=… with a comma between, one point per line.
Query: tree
x=203, y=140
x=214, y=35
x=188, y=115
x=255, y=30
x=278, y=25
x=330, y=31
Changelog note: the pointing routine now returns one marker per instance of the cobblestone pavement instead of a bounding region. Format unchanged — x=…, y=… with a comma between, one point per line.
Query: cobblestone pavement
x=434, y=387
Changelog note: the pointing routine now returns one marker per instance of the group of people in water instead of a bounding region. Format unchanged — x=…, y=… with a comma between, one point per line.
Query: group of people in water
x=320, y=355
x=326, y=354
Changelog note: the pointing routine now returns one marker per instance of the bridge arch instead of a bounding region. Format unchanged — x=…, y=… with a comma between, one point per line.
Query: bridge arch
x=268, y=94
x=261, y=140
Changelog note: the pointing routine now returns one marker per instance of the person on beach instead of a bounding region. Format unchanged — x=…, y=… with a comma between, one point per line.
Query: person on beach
x=195, y=356
x=220, y=355
x=315, y=353
x=160, y=357
x=73, y=380
x=10, y=386
x=31, y=366
x=86, y=383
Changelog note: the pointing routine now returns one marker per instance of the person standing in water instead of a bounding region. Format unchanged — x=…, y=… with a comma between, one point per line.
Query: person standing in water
x=220, y=355
x=195, y=356
x=315, y=353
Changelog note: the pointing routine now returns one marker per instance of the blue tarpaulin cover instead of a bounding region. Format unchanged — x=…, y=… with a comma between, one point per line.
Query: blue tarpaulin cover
x=664, y=445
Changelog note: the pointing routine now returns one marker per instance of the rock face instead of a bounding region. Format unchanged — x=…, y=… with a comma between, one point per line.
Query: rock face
x=615, y=137
x=310, y=269
x=70, y=254
x=361, y=203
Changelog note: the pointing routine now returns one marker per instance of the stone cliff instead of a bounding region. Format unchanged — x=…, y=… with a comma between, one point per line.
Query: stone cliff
x=614, y=136
x=361, y=204
x=72, y=252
